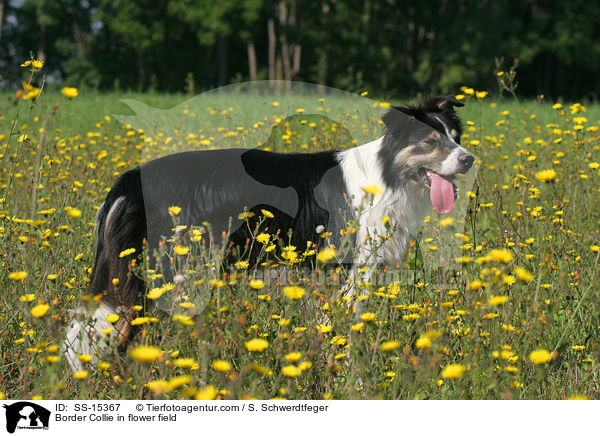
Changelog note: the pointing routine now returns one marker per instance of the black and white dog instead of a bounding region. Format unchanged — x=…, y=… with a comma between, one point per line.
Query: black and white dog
x=414, y=162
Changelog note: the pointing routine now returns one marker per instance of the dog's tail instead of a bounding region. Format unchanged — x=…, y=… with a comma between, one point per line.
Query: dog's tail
x=121, y=226
x=121, y=229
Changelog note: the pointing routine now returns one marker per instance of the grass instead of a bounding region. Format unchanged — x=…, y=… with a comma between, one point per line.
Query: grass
x=525, y=279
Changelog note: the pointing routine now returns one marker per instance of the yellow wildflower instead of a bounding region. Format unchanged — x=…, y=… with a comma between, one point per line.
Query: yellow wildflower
x=540, y=356
x=17, y=275
x=453, y=370
x=291, y=371
x=127, y=252
x=389, y=345
x=145, y=353
x=372, y=189
x=256, y=344
x=69, y=92
x=40, y=310
x=221, y=365
x=294, y=292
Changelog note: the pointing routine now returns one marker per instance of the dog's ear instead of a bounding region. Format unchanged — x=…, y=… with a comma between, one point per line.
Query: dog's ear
x=448, y=102
x=405, y=124
x=396, y=117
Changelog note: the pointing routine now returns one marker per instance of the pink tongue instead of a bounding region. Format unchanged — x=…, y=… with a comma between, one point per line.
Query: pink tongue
x=442, y=194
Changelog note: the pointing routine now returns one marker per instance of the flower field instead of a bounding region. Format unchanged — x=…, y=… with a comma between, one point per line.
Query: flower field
x=521, y=319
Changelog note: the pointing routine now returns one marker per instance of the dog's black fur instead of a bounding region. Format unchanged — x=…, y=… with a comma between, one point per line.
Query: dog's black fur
x=303, y=191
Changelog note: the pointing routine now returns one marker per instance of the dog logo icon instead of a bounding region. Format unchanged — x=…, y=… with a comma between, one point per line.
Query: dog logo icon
x=26, y=415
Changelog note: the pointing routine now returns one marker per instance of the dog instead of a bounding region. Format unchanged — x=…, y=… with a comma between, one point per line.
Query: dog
x=304, y=194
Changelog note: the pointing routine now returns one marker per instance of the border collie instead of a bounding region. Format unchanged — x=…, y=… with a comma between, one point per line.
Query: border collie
x=414, y=162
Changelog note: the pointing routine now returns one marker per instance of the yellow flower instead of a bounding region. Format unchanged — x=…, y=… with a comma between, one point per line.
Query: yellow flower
x=453, y=370
x=39, y=310
x=245, y=215
x=507, y=279
x=221, y=365
x=367, y=316
x=523, y=274
x=30, y=91
x=267, y=213
x=127, y=252
x=181, y=250
x=256, y=284
x=324, y=328
x=546, y=175
x=261, y=369
x=497, y=300
x=475, y=285
x=74, y=212
x=158, y=386
x=80, y=375
x=372, y=189
x=69, y=92
x=291, y=371
x=540, y=356
x=445, y=222
x=186, y=362
x=256, y=344
x=177, y=382
x=140, y=320
x=242, y=264
x=357, y=327
x=389, y=345
x=326, y=254
x=294, y=292
x=184, y=320
x=501, y=255
x=174, y=210
x=17, y=275
x=293, y=357
x=145, y=353
x=263, y=238
x=424, y=342
x=155, y=293
x=84, y=358
x=595, y=248
x=209, y=393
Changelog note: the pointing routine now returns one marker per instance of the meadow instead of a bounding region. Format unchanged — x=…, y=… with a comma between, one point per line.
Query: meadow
x=520, y=318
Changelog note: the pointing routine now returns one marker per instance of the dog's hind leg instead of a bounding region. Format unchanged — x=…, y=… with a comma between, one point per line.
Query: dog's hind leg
x=88, y=337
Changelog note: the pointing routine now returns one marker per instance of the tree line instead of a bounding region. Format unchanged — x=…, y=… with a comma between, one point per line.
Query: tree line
x=394, y=48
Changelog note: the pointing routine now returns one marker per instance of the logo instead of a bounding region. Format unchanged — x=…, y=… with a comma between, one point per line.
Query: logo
x=26, y=415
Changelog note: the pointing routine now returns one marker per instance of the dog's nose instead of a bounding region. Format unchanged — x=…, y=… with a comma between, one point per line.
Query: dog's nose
x=466, y=161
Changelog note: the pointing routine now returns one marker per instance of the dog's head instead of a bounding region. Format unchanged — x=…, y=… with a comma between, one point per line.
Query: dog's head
x=422, y=147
